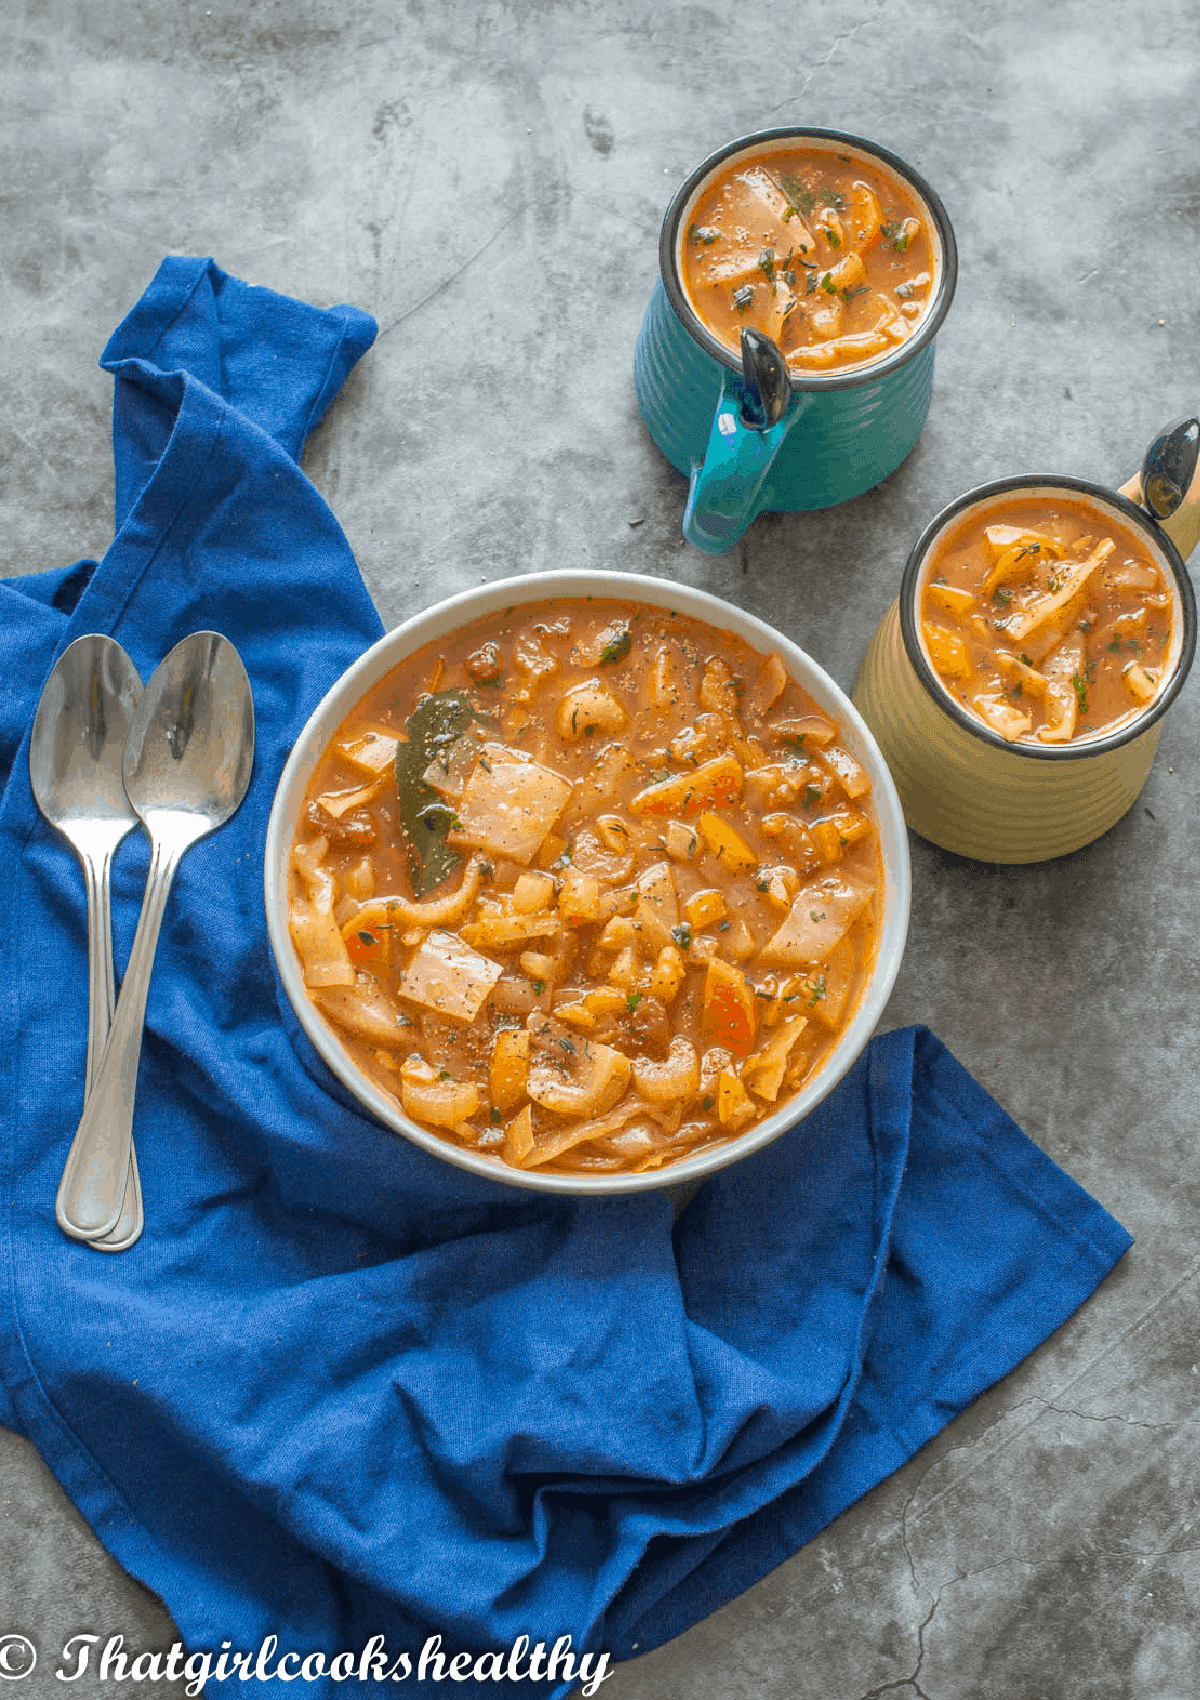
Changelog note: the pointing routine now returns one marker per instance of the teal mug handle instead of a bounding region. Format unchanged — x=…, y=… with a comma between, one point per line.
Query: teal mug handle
x=724, y=490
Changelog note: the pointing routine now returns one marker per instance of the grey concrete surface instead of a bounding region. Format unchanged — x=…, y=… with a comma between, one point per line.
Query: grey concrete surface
x=488, y=179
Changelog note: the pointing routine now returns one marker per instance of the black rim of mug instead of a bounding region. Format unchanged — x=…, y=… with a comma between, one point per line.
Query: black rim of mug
x=857, y=376
x=1101, y=742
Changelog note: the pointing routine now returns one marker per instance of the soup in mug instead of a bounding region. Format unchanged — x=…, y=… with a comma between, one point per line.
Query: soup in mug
x=830, y=256
x=587, y=886
x=1047, y=618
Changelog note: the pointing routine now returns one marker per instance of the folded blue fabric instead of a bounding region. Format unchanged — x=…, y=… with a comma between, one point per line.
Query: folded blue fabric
x=340, y=1390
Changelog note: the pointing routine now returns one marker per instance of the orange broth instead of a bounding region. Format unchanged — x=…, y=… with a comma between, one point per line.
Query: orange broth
x=829, y=256
x=1048, y=619
x=647, y=897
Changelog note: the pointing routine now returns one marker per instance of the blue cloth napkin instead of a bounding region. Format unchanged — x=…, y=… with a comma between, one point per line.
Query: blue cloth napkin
x=339, y=1390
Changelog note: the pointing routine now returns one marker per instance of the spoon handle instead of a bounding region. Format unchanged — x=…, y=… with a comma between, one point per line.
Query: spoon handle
x=102, y=985
x=94, y=1179
x=102, y=997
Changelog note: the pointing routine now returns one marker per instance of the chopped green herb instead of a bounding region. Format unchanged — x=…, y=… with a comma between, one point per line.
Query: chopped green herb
x=818, y=991
x=682, y=934
x=812, y=794
x=617, y=646
x=828, y=285
x=814, y=917
x=810, y=283
x=445, y=1074
x=1025, y=661
x=849, y=294
x=1018, y=688
x=1003, y=594
x=366, y=938
x=832, y=237
x=904, y=291
x=766, y=265
x=567, y=1045
x=632, y=1000
x=495, y=1116
x=539, y=986
x=703, y=233
x=802, y=199
x=895, y=231
x=1080, y=685
x=832, y=198
x=707, y=1103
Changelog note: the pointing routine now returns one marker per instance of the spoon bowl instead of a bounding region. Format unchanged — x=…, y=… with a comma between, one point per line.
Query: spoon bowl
x=1170, y=467
x=191, y=747
x=188, y=758
x=78, y=740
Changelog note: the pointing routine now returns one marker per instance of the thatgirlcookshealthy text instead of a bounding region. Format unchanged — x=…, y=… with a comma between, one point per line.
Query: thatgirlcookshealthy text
x=524, y=1661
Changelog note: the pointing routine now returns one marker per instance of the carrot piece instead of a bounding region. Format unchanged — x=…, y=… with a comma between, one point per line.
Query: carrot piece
x=707, y=786
x=730, y=1018
x=370, y=947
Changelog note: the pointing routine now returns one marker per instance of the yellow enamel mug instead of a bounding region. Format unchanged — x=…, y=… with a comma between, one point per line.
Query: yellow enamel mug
x=961, y=784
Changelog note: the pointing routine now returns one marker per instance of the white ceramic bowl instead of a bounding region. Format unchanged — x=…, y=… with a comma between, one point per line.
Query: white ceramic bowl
x=458, y=611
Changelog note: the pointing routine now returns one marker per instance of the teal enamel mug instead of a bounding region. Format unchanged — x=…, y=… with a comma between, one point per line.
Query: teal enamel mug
x=757, y=428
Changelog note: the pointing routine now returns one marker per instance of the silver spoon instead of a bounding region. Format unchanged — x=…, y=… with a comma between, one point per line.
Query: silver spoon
x=75, y=753
x=188, y=756
x=1170, y=467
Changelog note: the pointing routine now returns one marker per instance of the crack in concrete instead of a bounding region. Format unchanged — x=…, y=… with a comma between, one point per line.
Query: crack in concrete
x=909, y=1681
x=475, y=254
x=846, y=35
x=964, y=1446
x=1113, y=1417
